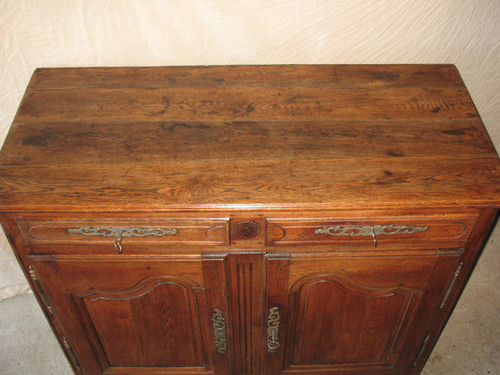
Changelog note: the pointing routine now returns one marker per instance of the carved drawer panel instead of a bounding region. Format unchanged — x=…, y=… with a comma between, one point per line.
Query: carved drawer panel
x=299, y=231
x=117, y=234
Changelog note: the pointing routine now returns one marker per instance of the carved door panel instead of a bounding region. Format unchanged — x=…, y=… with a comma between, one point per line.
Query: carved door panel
x=139, y=316
x=345, y=315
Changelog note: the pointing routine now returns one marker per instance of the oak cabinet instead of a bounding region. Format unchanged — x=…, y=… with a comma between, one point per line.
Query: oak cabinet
x=248, y=219
x=284, y=313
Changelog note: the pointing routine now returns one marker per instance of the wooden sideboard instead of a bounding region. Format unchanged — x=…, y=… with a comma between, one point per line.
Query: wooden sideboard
x=248, y=219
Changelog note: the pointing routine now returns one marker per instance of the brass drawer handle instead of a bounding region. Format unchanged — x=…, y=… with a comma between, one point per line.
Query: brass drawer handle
x=369, y=231
x=219, y=323
x=273, y=330
x=122, y=232
x=119, y=233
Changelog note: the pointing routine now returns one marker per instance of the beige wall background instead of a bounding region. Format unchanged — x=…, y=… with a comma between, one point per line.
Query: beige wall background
x=43, y=33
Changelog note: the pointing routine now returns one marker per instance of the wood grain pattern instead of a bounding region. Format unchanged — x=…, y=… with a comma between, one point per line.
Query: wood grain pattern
x=249, y=103
x=148, y=141
x=177, y=137
x=176, y=321
x=246, y=163
x=332, y=183
x=269, y=75
x=377, y=315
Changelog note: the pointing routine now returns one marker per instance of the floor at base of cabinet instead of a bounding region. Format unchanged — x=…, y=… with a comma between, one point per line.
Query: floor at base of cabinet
x=470, y=343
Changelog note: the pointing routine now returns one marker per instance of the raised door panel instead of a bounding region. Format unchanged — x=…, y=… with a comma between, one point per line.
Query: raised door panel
x=134, y=316
x=338, y=321
x=351, y=315
x=162, y=311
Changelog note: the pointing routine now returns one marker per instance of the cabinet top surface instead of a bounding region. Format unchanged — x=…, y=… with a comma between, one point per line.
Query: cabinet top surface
x=221, y=137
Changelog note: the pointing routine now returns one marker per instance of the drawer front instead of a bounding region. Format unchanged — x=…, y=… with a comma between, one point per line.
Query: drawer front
x=210, y=232
x=365, y=231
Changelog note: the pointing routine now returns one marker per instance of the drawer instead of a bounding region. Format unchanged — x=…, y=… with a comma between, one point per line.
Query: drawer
x=379, y=231
x=118, y=233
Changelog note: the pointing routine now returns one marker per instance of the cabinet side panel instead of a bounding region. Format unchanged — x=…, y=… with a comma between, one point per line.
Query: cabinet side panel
x=470, y=257
x=20, y=249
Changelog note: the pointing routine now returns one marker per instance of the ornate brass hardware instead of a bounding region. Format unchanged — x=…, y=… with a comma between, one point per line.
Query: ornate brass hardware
x=273, y=324
x=219, y=323
x=41, y=292
x=369, y=231
x=452, y=285
x=71, y=353
x=122, y=232
x=119, y=233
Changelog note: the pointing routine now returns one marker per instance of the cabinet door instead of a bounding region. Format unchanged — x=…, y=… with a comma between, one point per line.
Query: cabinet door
x=138, y=316
x=352, y=315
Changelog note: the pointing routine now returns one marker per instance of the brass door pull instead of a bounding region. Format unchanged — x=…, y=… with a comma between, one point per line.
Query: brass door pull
x=219, y=323
x=273, y=324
